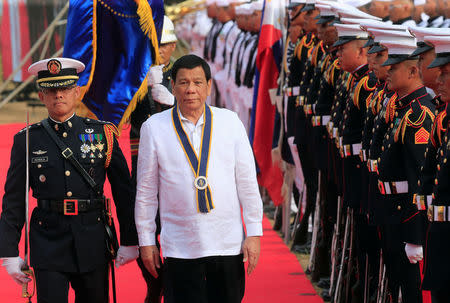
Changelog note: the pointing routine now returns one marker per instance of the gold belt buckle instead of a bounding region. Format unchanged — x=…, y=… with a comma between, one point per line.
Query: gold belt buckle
x=70, y=207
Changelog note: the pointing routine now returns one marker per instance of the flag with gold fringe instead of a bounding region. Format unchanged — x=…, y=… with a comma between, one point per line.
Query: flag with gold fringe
x=117, y=40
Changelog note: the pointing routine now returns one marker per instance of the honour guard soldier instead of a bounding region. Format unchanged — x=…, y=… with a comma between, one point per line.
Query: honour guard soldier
x=437, y=265
x=410, y=113
x=159, y=98
x=70, y=158
x=434, y=11
x=401, y=12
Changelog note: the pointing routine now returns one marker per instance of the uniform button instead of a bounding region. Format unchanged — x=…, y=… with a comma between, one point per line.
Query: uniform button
x=426, y=149
x=387, y=137
x=64, y=134
x=442, y=152
x=396, y=114
x=382, y=148
x=149, y=115
x=98, y=219
x=438, y=167
x=389, y=145
x=69, y=194
x=92, y=161
x=436, y=181
x=399, y=207
x=67, y=173
x=69, y=123
x=445, y=160
x=88, y=119
x=379, y=160
x=56, y=127
x=40, y=222
x=392, y=125
x=378, y=126
x=418, y=182
x=42, y=178
x=433, y=196
x=39, y=165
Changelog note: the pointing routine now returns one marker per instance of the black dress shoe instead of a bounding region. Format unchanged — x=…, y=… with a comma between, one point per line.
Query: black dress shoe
x=324, y=283
x=325, y=295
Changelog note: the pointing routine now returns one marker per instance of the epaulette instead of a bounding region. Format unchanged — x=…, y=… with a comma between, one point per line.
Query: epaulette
x=414, y=118
x=362, y=84
x=30, y=127
x=438, y=128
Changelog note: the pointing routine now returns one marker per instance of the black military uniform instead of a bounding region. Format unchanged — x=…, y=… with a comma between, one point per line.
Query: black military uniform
x=67, y=228
x=401, y=157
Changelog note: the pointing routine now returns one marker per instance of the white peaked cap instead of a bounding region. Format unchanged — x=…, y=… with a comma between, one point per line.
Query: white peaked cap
x=399, y=47
x=353, y=20
x=384, y=25
x=65, y=63
x=390, y=35
x=350, y=30
x=326, y=10
x=421, y=32
x=222, y=3
x=257, y=5
x=441, y=43
x=442, y=49
x=168, y=31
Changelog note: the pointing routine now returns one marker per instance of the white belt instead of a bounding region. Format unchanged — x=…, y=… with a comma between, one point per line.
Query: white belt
x=348, y=150
x=372, y=166
x=422, y=201
x=390, y=188
x=363, y=155
x=320, y=120
x=438, y=213
x=292, y=91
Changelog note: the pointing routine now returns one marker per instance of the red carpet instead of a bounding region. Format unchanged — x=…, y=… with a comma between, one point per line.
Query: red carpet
x=277, y=278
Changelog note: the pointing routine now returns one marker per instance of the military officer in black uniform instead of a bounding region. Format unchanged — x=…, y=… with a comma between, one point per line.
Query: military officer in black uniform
x=159, y=98
x=410, y=114
x=67, y=228
x=437, y=264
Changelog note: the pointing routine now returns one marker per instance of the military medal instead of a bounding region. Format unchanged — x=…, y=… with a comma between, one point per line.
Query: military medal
x=84, y=147
x=99, y=145
x=199, y=165
x=91, y=139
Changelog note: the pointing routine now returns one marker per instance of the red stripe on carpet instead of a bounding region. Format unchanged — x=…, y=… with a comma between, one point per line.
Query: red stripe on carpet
x=277, y=278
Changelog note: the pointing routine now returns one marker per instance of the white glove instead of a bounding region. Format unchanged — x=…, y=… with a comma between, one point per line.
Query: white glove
x=14, y=267
x=126, y=254
x=155, y=75
x=414, y=252
x=162, y=95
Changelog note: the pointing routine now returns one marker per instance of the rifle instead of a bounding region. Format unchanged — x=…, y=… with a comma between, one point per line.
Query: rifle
x=350, y=258
x=313, y=255
x=337, y=293
x=26, y=293
x=334, y=246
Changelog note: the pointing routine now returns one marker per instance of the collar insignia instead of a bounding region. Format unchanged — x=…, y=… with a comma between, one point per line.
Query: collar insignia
x=89, y=130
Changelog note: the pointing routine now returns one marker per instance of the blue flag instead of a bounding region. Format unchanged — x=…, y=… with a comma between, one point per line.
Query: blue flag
x=117, y=40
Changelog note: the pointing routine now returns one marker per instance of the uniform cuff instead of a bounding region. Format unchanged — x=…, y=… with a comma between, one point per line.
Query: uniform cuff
x=254, y=229
x=147, y=239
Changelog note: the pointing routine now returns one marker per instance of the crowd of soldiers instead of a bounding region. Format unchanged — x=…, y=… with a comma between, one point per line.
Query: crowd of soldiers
x=365, y=123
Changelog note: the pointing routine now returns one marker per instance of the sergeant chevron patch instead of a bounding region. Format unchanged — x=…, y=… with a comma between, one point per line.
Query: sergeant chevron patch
x=421, y=136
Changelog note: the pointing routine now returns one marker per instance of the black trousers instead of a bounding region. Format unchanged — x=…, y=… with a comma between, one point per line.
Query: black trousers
x=216, y=279
x=90, y=287
x=440, y=296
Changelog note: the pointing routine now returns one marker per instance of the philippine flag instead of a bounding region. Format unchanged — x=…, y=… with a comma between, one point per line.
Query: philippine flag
x=268, y=63
x=14, y=38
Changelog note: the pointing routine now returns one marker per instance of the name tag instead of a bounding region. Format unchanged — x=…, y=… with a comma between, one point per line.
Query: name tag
x=39, y=159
